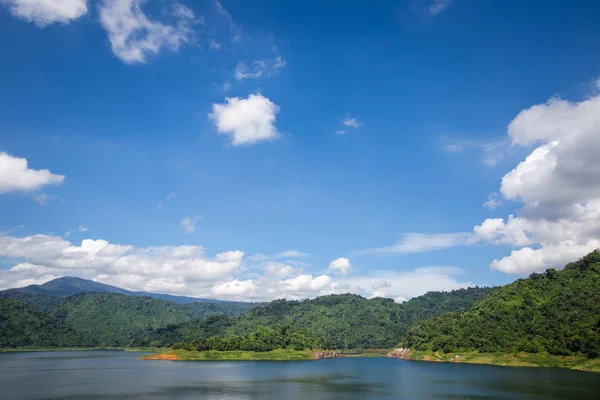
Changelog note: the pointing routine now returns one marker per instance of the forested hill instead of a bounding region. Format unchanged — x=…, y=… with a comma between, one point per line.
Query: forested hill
x=113, y=319
x=342, y=321
x=557, y=312
x=97, y=319
x=21, y=325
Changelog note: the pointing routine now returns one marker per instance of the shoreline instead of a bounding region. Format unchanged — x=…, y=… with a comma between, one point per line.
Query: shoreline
x=529, y=360
x=540, y=360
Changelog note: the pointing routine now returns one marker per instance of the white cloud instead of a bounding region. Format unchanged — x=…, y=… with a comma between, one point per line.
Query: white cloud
x=186, y=270
x=169, y=269
x=352, y=123
x=16, y=176
x=259, y=68
x=248, y=121
x=277, y=256
x=439, y=6
x=305, y=284
x=83, y=228
x=133, y=36
x=188, y=224
x=492, y=201
x=235, y=288
x=558, y=184
x=340, y=266
x=422, y=242
x=402, y=286
x=46, y=12
x=341, y=132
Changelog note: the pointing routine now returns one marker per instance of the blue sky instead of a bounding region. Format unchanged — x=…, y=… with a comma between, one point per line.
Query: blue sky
x=236, y=149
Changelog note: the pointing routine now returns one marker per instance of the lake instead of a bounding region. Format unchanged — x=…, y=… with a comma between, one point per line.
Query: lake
x=98, y=375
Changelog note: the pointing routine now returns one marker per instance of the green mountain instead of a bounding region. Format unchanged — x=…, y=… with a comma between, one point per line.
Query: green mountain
x=556, y=312
x=21, y=325
x=115, y=319
x=68, y=286
x=343, y=321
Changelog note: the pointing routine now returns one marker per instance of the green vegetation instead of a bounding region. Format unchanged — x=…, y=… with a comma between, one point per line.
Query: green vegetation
x=21, y=325
x=274, y=355
x=557, y=312
x=112, y=319
x=41, y=302
x=512, y=359
x=337, y=321
x=264, y=339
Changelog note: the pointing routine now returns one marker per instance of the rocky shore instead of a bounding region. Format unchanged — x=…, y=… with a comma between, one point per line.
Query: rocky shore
x=319, y=355
x=401, y=353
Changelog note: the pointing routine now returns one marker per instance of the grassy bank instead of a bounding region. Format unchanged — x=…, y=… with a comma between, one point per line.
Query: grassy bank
x=513, y=360
x=275, y=355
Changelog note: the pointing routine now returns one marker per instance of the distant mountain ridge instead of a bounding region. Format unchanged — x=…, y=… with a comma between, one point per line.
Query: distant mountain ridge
x=69, y=285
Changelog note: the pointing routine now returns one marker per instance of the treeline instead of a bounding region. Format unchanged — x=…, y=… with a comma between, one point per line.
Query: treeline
x=338, y=321
x=264, y=339
x=556, y=312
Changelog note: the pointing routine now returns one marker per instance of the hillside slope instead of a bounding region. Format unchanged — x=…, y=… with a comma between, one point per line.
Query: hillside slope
x=21, y=325
x=114, y=319
x=343, y=321
x=557, y=312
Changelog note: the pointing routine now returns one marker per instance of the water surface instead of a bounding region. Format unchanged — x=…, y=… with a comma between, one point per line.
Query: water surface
x=99, y=375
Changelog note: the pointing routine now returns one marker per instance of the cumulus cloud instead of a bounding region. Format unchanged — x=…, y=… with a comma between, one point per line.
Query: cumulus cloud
x=188, y=224
x=404, y=285
x=46, y=12
x=340, y=266
x=422, y=242
x=187, y=270
x=259, y=68
x=172, y=269
x=247, y=121
x=558, y=184
x=235, y=288
x=133, y=36
x=16, y=176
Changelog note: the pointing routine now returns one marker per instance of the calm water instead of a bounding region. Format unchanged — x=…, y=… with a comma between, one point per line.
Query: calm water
x=117, y=375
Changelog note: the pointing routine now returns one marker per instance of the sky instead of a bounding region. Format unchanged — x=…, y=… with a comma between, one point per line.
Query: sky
x=289, y=149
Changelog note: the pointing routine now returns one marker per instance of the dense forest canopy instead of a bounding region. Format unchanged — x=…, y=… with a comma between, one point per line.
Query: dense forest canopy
x=337, y=321
x=556, y=312
x=21, y=325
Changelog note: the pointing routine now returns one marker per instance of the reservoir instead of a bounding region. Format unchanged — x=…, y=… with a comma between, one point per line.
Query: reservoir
x=100, y=375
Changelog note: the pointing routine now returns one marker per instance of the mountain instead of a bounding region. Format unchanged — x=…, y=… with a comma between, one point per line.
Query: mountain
x=69, y=285
x=344, y=321
x=116, y=319
x=21, y=325
x=556, y=312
